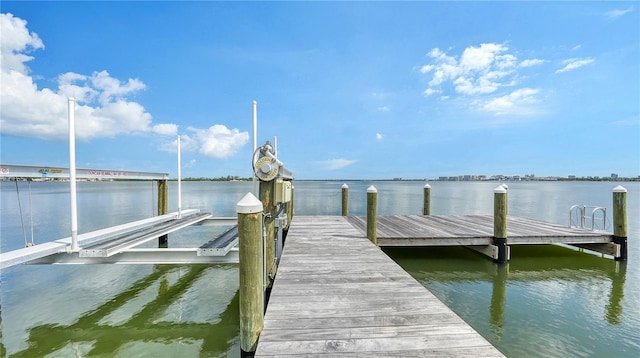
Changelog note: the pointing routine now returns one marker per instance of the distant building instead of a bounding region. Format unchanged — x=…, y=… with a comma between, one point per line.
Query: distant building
x=614, y=176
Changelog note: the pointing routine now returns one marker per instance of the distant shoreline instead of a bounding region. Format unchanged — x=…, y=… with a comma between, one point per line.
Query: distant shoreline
x=489, y=180
x=550, y=179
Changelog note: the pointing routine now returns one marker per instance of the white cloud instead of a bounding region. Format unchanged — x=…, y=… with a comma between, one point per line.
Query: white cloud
x=102, y=106
x=531, y=62
x=189, y=164
x=516, y=102
x=479, y=70
x=166, y=129
x=16, y=40
x=616, y=13
x=430, y=91
x=426, y=69
x=383, y=109
x=335, y=164
x=217, y=141
x=629, y=121
x=574, y=63
x=379, y=136
x=480, y=58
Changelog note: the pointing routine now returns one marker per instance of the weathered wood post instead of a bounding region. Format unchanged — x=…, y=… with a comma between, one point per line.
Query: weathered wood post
x=620, y=220
x=426, y=205
x=291, y=207
x=267, y=192
x=500, y=223
x=163, y=208
x=506, y=187
x=345, y=199
x=372, y=214
x=289, y=213
x=250, y=244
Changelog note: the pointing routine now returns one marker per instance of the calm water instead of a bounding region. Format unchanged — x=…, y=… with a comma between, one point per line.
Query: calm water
x=548, y=301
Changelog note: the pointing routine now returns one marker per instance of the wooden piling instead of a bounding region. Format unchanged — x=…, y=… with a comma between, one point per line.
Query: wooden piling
x=500, y=223
x=250, y=244
x=426, y=204
x=289, y=213
x=372, y=214
x=345, y=199
x=289, y=209
x=163, y=208
x=267, y=192
x=620, y=221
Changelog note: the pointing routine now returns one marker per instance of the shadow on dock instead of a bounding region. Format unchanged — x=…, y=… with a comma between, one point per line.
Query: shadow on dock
x=104, y=332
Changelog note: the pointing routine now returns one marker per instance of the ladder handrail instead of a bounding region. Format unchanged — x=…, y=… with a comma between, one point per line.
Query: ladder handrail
x=581, y=211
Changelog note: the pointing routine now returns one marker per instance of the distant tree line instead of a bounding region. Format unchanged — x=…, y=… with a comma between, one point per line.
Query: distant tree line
x=220, y=178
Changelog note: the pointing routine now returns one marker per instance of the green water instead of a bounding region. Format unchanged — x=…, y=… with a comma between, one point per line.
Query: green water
x=146, y=312
x=548, y=301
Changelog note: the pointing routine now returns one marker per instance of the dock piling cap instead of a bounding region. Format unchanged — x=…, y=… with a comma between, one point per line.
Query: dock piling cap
x=372, y=189
x=500, y=190
x=427, y=186
x=619, y=189
x=345, y=186
x=249, y=204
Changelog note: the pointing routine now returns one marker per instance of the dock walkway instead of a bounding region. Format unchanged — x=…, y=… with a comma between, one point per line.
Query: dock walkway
x=336, y=293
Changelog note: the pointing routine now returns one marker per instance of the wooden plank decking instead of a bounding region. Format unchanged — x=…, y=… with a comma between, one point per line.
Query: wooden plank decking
x=337, y=294
x=455, y=230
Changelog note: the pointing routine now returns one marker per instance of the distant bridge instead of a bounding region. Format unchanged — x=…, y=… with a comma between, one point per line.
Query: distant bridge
x=41, y=172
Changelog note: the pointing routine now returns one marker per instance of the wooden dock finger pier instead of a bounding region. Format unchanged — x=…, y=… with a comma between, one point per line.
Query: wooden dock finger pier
x=472, y=230
x=338, y=294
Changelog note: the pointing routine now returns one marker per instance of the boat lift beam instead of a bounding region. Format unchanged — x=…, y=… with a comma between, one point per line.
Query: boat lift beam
x=24, y=255
x=173, y=256
x=126, y=241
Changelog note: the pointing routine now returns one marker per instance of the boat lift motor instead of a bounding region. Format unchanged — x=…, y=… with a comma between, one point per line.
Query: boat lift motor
x=266, y=168
x=266, y=165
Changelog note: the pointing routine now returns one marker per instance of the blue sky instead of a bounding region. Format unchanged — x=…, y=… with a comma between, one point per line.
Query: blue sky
x=359, y=90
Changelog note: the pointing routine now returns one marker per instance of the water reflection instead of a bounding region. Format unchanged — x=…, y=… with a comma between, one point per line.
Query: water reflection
x=541, y=281
x=498, y=298
x=119, y=328
x=614, y=307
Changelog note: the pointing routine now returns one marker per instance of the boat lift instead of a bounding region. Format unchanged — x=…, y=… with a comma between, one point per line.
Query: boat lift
x=118, y=244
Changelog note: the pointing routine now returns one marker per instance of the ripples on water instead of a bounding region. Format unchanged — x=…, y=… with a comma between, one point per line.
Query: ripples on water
x=548, y=301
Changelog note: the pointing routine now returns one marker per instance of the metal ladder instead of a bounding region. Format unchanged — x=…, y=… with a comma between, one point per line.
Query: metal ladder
x=579, y=212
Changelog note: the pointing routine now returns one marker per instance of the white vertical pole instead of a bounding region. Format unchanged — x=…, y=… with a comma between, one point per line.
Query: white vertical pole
x=275, y=146
x=179, y=182
x=30, y=213
x=72, y=174
x=255, y=143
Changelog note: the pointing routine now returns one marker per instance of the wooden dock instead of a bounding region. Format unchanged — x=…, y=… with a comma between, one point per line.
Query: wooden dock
x=471, y=230
x=337, y=294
